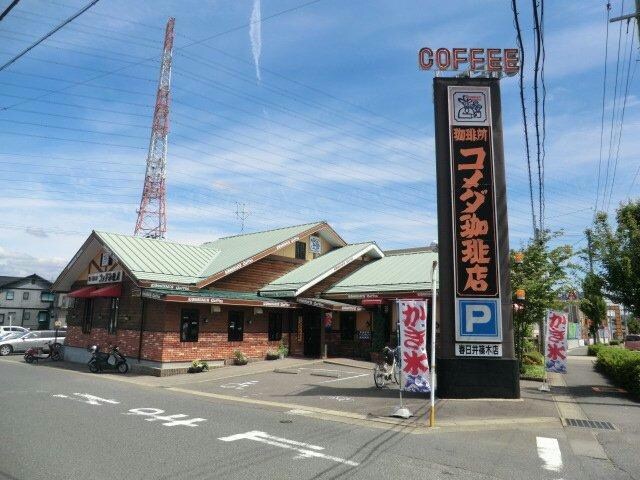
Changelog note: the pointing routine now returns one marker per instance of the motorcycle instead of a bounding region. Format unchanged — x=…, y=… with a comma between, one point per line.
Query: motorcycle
x=34, y=354
x=112, y=360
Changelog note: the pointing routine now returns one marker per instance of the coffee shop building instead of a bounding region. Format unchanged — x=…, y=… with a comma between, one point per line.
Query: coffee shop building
x=301, y=287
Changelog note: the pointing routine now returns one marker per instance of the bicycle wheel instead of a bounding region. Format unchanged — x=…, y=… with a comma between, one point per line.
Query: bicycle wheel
x=379, y=376
x=397, y=375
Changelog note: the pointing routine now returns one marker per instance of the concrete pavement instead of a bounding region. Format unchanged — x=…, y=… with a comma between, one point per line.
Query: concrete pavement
x=58, y=423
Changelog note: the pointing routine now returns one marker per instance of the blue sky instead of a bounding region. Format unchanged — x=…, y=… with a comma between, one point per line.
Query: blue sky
x=339, y=126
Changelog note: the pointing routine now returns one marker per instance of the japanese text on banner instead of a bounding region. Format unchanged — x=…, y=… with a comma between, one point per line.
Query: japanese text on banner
x=412, y=315
x=556, y=350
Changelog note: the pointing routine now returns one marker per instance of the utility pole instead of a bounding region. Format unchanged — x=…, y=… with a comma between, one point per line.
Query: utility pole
x=628, y=17
x=589, y=250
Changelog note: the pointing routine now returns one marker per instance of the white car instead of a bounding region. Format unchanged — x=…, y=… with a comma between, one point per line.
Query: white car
x=6, y=329
x=38, y=338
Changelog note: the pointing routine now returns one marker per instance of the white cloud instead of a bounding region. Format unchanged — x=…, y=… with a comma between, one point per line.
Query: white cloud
x=255, y=34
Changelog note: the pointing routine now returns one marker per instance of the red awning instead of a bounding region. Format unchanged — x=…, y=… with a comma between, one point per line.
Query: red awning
x=83, y=292
x=368, y=302
x=110, y=291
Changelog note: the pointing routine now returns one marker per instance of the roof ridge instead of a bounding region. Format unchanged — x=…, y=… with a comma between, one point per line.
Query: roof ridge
x=158, y=240
x=406, y=253
x=265, y=231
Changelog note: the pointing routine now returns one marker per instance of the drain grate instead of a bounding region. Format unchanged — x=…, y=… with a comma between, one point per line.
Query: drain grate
x=576, y=422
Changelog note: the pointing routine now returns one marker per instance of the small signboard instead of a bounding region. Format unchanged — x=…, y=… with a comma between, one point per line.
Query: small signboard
x=556, y=343
x=315, y=245
x=478, y=350
x=57, y=323
x=104, y=277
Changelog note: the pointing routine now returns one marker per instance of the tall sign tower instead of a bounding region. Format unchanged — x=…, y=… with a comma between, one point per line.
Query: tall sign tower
x=152, y=216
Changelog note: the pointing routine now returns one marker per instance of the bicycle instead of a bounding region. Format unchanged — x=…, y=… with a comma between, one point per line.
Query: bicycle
x=388, y=370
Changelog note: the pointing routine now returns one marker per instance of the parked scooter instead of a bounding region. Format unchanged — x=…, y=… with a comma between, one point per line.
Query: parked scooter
x=54, y=352
x=112, y=360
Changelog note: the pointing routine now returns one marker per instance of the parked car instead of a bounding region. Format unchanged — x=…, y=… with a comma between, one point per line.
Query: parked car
x=39, y=338
x=7, y=329
x=10, y=335
x=632, y=342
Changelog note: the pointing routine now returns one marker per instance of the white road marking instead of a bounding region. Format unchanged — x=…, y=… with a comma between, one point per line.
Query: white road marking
x=155, y=414
x=549, y=453
x=305, y=450
x=299, y=412
x=88, y=399
x=345, y=378
x=239, y=386
x=340, y=398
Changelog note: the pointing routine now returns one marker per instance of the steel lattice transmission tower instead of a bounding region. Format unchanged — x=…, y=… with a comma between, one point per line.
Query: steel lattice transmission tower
x=152, y=215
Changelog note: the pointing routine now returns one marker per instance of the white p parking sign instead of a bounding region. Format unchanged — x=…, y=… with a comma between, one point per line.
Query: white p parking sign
x=478, y=319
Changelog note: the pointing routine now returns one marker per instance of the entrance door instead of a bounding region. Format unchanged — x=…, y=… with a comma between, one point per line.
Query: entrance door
x=311, y=324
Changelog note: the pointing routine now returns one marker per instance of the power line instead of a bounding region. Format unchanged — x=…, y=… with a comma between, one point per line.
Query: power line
x=613, y=113
x=536, y=69
x=524, y=111
x=8, y=9
x=624, y=107
x=604, y=96
x=47, y=35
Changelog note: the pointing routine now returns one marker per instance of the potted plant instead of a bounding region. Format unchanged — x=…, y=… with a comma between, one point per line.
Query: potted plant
x=239, y=358
x=273, y=355
x=283, y=350
x=198, y=366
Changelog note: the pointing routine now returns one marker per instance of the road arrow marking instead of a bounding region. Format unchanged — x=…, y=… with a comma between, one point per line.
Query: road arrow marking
x=305, y=450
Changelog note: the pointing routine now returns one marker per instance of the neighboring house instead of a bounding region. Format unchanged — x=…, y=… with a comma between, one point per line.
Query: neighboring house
x=25, y=301
x=165, y=302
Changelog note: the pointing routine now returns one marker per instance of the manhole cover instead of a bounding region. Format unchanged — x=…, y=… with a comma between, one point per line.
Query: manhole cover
x=576, y=422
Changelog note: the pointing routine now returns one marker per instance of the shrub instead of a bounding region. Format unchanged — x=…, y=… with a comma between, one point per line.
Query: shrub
x=283, y=349
x=614, y=342
x=272, y=355
x=593, y=350
x=622, y=366
x=198, y=366
x=239, y=358
x=532, y=358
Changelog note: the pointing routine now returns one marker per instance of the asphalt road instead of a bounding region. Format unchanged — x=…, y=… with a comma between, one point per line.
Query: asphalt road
x=64, y=424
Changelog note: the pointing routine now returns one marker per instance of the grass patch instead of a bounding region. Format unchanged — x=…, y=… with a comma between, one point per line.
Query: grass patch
x=532, y=372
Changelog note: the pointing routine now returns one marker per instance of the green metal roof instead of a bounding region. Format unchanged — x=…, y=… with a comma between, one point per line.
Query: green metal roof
x=405, y=272
x=240, y=247
x=159, y=260
x=315, y=270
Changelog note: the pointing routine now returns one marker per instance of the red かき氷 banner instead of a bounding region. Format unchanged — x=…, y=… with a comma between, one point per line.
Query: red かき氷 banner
x=556, y=343
x=412, y=320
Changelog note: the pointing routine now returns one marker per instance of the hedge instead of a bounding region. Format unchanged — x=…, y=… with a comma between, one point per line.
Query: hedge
x=622, y=366
x=593, y=350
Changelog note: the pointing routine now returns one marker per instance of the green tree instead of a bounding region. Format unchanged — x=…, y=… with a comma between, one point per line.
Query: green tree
x=592, y=303
x=543, y=275
x=617, y=253
x=633, y=326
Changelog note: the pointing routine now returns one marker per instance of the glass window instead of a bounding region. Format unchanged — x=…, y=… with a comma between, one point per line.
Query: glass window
x=46, y=297
x=25, y=295
x=1, y=318
x=347, y=325
x=26, y=316
x=189, y=325
x=9, y=295
x=275, y=326
x=113, y=316
x=236, y=326
x=87, y=318
x=301, y=250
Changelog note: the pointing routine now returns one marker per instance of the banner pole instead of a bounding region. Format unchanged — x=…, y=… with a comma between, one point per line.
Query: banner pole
x=545, y=386
x=432, y=411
